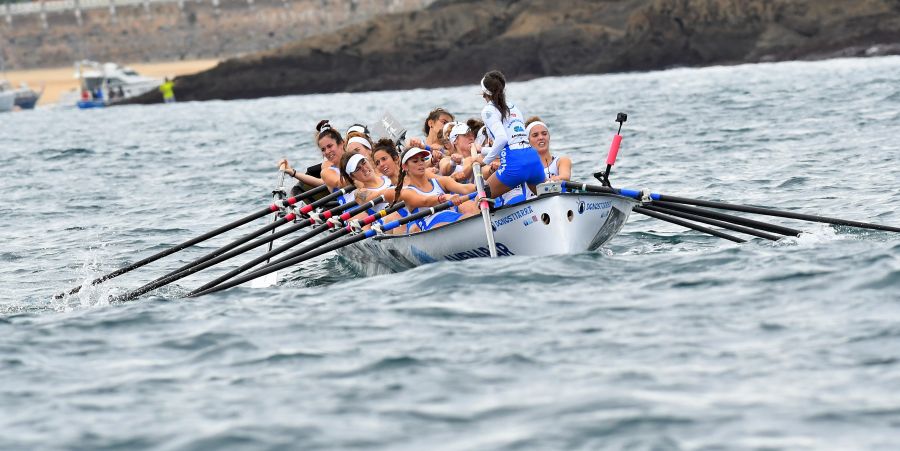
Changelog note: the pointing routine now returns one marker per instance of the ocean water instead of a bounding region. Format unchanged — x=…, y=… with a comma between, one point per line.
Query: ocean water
x=665, y=339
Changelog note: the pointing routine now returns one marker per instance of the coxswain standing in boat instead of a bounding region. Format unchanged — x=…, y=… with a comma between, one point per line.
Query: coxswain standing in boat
x=519, y=162
x=418, y=188
x=555, y=167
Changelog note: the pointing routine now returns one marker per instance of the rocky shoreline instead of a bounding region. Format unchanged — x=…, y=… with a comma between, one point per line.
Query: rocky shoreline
x=454, y=42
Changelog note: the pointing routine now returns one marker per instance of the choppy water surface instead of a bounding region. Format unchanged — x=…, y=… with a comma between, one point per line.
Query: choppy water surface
x=667, y=339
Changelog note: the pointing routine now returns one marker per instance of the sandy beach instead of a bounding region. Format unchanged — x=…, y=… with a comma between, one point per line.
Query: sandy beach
x=58, y=80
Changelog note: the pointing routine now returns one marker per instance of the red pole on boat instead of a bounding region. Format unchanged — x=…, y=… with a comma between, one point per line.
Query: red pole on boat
x=613, y=151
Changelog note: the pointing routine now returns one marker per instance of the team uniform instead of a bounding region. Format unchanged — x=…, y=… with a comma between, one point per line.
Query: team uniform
x=344, y=198
x=429, y=222
x=385, y=184
x=519, y=162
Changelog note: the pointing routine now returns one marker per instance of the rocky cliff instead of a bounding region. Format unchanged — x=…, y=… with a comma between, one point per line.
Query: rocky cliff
x=454, y=42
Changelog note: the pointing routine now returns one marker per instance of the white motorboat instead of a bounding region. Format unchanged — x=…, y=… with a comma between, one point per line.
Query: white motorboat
x=552, y=223
x=103, y=84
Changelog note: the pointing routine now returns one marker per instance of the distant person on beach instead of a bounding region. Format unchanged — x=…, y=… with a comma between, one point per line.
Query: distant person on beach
x=168, y=91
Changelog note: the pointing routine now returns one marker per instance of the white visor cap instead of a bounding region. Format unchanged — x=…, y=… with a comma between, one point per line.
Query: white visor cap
x=458, y=129
x=413, y=152
x=353, y=163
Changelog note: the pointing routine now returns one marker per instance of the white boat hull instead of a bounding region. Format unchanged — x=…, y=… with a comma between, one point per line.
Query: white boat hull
x=7, y=100
x=552, y=224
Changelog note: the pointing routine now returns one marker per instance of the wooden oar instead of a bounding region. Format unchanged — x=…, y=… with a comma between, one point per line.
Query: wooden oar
x=483, y=204
x=259, y=214
x=328, y=248
x=290, y=244
x=635, y=194
x=207, y=262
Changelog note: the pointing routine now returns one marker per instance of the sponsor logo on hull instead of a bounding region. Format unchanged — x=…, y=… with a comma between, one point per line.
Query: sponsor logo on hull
x=502, y=251
x=518, y=214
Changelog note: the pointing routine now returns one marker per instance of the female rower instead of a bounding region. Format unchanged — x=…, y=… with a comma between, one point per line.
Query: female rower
x=458, y=164
x=420, y=190
x=555, y=168
x=433, y=124
x=358, y=142
x=331, y=144
x=358, y=169
x=519, y=162
x=387, y=160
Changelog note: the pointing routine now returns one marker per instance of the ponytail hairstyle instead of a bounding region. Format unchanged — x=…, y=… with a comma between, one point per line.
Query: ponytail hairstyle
x=400, y=179
x=494, y=84
x=323, y=129
x=433, y=115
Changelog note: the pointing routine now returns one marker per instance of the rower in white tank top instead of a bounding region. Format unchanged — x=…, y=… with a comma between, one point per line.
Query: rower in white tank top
x=345, y=198
x=439, y=217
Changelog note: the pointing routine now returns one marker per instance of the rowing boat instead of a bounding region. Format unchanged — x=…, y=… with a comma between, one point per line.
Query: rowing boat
x=554, y=222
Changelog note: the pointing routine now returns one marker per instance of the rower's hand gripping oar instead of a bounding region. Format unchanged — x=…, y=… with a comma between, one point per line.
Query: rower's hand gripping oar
x=259, y=214
x=324, y=249
x=483, y=204
x=613, y=152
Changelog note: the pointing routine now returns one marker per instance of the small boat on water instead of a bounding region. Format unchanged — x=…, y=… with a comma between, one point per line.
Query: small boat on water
x=7, y=101
x=25, y=98
x=552, y=223
x=108, y=83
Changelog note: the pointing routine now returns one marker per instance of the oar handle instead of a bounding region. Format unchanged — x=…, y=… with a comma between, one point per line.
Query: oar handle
x=286, y=262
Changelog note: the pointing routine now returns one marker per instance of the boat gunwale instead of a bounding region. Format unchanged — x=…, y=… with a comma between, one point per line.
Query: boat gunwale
x=387, y=236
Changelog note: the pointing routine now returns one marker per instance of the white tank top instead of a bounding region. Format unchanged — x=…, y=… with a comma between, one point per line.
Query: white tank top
x=385, y=184
x=436, y=190
x=345, y=198
x=553, y=168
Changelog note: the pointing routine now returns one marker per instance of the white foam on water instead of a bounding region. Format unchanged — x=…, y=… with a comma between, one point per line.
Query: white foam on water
x=811, y=236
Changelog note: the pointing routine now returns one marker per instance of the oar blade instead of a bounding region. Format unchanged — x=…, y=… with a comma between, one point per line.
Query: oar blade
x=265, y=281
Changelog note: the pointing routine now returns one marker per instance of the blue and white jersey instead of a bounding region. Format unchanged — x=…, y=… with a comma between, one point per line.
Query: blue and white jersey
x=508, y=133
x=437, y=218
